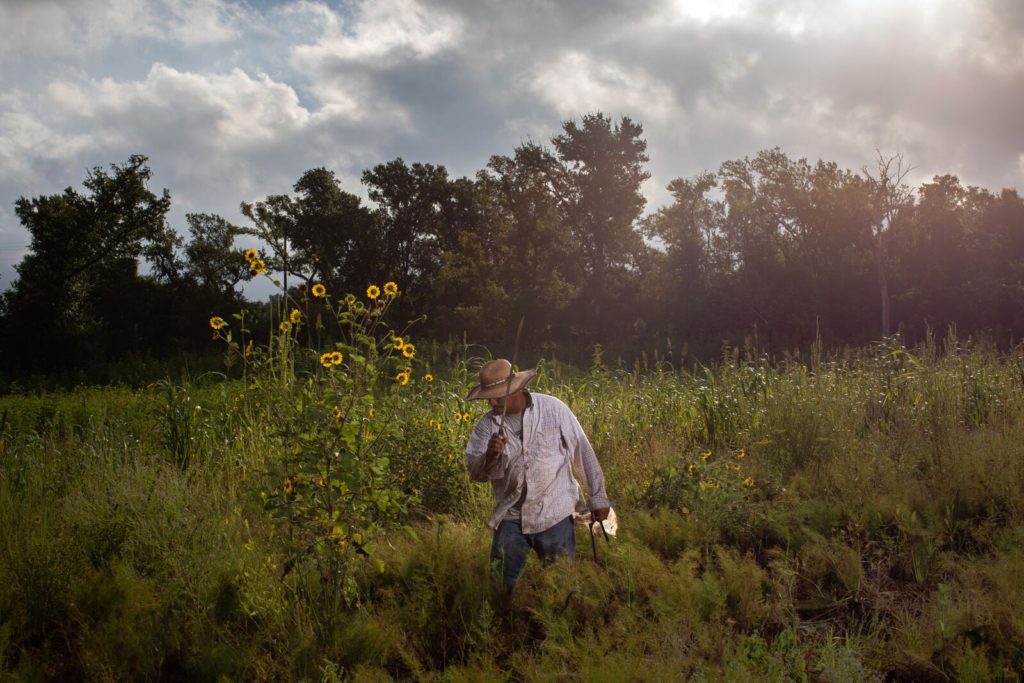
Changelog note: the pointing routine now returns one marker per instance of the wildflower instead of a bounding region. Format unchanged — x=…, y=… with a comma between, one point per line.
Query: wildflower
x=705, y=454
x=437, y=426
x=337, y=412
x=373, y=291
x=250, y=255
x=295, y=316
x=691, y=467
x=321, y=483
x=371, y=412
x=217, y=322
x=325, y=359
x=402, y=378
x=319, y=290
x=285, y=326
x=737, y=467
x=408, y=350
x=432, y=423
x=397, y=343
x=336, y=358
x=288, y=486
x=428, y=377
x=350, y=299
x=741, y=454
x=465, y=417
x=248, y=348
x=407, y=370
x=359, y=308
x=390, y=288
x=257, y=266
x=749, y=481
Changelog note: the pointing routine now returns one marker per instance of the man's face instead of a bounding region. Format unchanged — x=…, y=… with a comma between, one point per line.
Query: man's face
x=516, y=403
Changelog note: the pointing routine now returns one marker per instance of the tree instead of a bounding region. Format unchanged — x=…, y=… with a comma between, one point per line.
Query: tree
x=83, y=257
x=692, y=257
x=212, y=262
x=890, y=198
x=418, y=218
x=598, y=186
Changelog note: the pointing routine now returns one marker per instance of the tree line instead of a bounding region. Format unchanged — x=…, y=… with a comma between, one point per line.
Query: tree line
x=555, y=234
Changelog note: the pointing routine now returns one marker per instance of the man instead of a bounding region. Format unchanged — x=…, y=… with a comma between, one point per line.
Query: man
x=529, y=462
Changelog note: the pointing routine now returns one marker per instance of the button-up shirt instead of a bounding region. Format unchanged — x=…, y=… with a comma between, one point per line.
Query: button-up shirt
x=553, y=444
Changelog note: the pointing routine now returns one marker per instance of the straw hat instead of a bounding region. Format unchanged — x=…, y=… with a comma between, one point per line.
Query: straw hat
x=494, y=380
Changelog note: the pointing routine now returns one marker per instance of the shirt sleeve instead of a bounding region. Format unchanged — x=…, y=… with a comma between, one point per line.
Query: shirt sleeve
x=476, y=457
x=584, y=458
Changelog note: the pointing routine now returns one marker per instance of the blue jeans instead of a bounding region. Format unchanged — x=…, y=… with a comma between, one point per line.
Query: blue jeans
x=511, y=546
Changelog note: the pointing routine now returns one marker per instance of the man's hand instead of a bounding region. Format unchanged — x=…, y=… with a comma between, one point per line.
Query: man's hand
x=599, y=515
x=495, y=447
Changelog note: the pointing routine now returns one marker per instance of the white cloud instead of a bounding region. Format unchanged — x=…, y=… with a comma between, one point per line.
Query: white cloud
x=55, y=28
x=577, y=83
x=381, y=30
x=224, y=112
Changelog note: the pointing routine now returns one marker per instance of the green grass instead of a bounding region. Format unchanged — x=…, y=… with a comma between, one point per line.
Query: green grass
x=879, y=535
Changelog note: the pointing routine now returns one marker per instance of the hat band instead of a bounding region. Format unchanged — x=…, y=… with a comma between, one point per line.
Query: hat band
x=500, y=381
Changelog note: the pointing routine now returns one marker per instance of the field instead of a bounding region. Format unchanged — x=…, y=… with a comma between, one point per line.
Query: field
x=842, y=517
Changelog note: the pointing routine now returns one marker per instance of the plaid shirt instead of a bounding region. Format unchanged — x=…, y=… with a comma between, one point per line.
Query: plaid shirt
x=553, y=444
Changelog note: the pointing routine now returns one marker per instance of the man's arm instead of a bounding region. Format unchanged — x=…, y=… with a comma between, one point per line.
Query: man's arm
x=584, y=455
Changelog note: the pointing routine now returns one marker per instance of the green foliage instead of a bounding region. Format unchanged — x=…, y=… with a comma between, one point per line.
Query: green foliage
x=879, y=536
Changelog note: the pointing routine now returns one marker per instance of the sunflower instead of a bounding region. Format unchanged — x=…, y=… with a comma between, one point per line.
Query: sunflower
x=465, y=417
x=390, y=288
x=217, y=322
x=428, y=377
x=350, y=299
x=741, y=454
x=337, y=412
x=705, y=454
x=285, y=326
x=371, y=412
x=336, y=358
x=359, y=308
x=288, y=486
x=397, y=343
x=325, y=359
x=295, y=316
x=248, y=348
x=319, y=290
x=402, y=378
x=408, y=350
x=250, y=255
x=257, y=266
x=749, y=481
x=373, y=291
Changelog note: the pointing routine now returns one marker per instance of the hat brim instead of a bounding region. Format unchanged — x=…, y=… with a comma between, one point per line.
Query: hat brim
x=519, y=381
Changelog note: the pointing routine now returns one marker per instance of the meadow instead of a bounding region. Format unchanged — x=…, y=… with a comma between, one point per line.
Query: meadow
x=847, y=516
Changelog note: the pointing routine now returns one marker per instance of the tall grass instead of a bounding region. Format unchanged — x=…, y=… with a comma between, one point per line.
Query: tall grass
x=854, y=518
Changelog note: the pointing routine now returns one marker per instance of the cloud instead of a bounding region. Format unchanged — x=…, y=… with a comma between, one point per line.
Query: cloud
x=54, y=28
x=234, y=99
x=576, y=84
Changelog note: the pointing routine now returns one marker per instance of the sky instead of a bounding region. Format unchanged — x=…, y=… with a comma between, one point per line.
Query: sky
x=232, y=100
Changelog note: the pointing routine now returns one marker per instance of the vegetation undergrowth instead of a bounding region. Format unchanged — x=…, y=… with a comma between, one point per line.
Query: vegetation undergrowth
x=854, y=517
